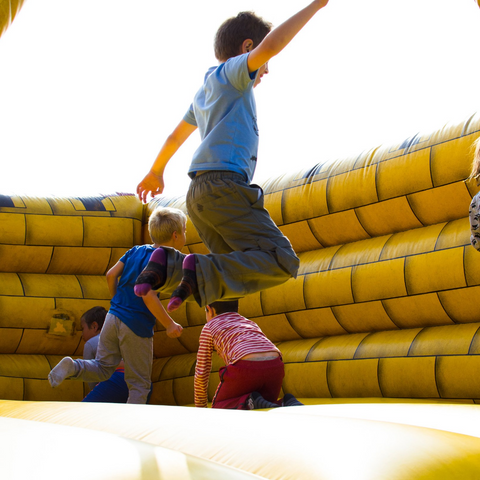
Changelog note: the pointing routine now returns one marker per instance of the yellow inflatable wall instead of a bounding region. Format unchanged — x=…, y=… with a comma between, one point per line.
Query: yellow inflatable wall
x=379, y=332
x=384, y=305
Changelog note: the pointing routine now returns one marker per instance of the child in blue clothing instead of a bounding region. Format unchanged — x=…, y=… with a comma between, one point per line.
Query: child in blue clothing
x=128, y=329
x=249, y=252
x=115, y=389
x=92, y=322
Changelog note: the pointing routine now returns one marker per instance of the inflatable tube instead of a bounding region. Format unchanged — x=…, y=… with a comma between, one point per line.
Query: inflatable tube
x=49, y=451
x=299, y=442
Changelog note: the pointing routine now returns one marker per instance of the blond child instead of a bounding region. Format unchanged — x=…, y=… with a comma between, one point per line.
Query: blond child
x=128, y=329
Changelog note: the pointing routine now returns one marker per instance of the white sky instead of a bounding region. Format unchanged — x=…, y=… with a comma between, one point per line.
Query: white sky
x=91, y=88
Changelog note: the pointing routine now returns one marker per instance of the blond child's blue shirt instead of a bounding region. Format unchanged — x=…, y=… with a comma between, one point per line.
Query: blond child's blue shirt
x=125, y=305
x=224, y=111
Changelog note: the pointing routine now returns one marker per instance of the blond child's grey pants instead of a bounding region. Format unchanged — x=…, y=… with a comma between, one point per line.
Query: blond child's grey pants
x=117, y=341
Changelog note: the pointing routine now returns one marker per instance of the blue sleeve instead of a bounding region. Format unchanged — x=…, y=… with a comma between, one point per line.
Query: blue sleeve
x=126, y=255
x=190, y=117
x=236, y=72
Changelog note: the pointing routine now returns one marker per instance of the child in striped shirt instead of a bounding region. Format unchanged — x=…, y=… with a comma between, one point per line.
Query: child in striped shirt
x=253, y=373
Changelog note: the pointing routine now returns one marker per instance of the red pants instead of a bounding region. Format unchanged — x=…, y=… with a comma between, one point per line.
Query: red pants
x=240, y=379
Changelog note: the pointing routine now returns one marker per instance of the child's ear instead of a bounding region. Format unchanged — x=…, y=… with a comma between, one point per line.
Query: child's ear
x=94, y=325
x=247, y=45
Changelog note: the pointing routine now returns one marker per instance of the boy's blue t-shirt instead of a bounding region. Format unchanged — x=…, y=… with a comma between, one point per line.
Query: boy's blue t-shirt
x=224, y=111
x=125, y=305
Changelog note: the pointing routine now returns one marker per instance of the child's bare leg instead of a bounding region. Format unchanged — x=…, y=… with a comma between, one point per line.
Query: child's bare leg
x=65, y=368
x=153, y=275
x=188, y=286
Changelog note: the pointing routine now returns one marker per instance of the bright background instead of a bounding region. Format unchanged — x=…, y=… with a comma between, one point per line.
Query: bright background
x=91, y=88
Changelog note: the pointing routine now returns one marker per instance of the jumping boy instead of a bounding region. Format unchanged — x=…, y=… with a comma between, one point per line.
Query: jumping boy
x=128, y=329
x=253, y=373
x=249, y=253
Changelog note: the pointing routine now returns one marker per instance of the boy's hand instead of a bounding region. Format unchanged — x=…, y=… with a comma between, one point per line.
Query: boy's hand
x=152, y=184
x=175, y=330
x=281, y=36
x=321, y=3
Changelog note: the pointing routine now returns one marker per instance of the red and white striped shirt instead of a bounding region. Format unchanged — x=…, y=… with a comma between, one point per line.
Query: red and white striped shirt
x=233, y=337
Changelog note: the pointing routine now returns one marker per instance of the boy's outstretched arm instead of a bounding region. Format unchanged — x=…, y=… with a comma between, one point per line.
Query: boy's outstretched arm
x=153, y=181
x=153, y=303
x=281, y=36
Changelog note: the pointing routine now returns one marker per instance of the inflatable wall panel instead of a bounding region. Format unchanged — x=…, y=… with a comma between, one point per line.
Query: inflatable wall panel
x=384, y=304
x=382, y=313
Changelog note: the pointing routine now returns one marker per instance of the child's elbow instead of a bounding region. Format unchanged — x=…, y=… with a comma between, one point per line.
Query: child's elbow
x=111, y=277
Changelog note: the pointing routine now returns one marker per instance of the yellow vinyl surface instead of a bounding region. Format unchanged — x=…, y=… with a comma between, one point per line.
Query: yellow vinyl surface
x=333, y=441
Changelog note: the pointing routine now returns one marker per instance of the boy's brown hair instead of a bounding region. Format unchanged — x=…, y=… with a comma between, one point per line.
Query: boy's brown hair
x=95, y=314
x=234, y=31
x=225, y=306
x=163, y=222
x=476, y=162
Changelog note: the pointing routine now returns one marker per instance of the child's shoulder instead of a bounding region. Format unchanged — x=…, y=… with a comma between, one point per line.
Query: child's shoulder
x=235, y=70
x=141, y=248
x=137, y=251
x=93, y=342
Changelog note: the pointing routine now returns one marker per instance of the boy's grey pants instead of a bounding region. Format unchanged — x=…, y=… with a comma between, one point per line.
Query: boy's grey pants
x=117, y=341
x=249, y=252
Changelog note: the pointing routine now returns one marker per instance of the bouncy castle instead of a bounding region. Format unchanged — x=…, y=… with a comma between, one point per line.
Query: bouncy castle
x=380, y=331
